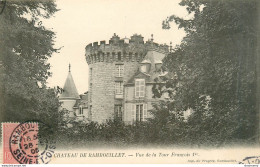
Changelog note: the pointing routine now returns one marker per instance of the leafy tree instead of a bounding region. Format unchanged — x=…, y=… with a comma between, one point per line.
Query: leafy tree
x=217, y=61
x=165, y=127
x=25, y=47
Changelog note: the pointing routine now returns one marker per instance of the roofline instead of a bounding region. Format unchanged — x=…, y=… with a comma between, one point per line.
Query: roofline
x=69, y=98
x=78, y=107
x=144, y=74
x=147, y=83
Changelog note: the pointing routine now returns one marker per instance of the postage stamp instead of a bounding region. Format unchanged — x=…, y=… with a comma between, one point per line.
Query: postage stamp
x=23, y=144
x=7, y=129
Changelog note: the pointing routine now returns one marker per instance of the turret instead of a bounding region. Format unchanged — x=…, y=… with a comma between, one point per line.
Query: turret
x=70, y=94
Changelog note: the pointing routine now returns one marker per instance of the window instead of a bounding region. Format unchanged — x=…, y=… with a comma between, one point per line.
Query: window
x=95, y=58
x=139, y=88
x=113, y=56
x=119, y=56
x=103, y=57
x=143, y=68
x=139, y=112
x=119, y=70
x=119, y=88
x=98, y=57
x=80, y=110
x=90, y=73
x=136, y=57
x=158, y=67
x=118, y=112
x=108, y=56
x=130, y=56
x=90, y=92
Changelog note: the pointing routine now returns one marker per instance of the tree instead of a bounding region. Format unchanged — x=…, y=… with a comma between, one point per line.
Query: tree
x=25, y=47
x=216, y=60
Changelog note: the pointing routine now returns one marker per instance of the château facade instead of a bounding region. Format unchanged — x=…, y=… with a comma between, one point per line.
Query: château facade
x=121, y=76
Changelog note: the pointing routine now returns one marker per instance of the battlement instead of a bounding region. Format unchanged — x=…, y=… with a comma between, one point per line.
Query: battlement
x=115, y=40
x=133, y=49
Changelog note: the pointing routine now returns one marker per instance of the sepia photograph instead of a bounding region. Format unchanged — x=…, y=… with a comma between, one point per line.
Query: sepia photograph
x=128, y=81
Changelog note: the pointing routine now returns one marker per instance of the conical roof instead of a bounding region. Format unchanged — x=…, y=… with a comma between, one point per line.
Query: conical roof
x=69, y=89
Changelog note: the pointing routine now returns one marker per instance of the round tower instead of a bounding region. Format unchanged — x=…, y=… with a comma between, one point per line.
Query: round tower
x=110, y=67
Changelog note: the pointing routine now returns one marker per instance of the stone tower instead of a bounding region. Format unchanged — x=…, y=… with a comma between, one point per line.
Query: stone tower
x=110, y=67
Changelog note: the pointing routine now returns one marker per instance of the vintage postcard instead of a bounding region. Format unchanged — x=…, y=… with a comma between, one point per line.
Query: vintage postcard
x=129, y=81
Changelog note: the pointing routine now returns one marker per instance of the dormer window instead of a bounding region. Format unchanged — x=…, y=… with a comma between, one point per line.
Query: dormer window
x=145, y=68
x=158, y=66
x=126, y=40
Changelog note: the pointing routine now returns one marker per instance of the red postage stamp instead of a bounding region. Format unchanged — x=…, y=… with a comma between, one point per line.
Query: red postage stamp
x=20, y=143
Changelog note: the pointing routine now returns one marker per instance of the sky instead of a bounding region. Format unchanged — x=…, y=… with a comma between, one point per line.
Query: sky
x=80, y=22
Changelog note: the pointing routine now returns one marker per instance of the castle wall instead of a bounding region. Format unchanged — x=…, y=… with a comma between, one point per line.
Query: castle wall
x=102, y=91
x=102, y=88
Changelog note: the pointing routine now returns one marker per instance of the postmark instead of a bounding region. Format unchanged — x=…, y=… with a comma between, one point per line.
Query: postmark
x=28, y=143
x=251, y=160
x=23, y=143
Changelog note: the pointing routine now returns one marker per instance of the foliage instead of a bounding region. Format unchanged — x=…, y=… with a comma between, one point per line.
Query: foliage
x=213, y=70
x=25, y=47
